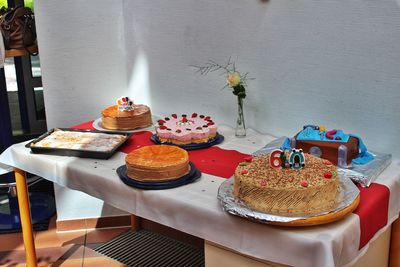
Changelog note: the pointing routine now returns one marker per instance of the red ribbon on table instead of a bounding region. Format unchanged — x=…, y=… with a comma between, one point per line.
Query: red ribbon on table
x=213, y=160
x=373, y=210
x=374, y=200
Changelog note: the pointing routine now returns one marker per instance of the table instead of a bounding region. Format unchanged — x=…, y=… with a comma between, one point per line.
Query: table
x=194, y=208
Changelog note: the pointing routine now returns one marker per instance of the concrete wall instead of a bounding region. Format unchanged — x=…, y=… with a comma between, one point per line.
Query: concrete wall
x=322, y=62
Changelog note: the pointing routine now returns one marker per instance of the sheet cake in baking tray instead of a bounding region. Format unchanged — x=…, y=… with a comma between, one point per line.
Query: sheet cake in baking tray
x=78, y=143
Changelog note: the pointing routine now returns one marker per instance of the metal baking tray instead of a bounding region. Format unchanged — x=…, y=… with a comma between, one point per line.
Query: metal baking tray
x=82, y=153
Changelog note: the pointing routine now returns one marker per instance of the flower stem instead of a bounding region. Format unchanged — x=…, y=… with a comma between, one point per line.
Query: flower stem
x=240, y=124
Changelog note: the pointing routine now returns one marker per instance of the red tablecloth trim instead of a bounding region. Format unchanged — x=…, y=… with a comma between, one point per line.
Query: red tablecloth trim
x=374, y=200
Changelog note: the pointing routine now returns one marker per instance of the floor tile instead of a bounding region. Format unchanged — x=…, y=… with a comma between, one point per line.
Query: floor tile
x=104, y=235
x=11, y=242
x=69, y=263
x=101, y=261
x=45, y=256
x=51, y=238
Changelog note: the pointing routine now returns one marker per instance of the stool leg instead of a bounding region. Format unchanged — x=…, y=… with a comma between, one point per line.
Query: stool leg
x=26, y=219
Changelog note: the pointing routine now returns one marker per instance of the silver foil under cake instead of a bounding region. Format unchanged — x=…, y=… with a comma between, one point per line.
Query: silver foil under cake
x=364, y=174
x=348, y=192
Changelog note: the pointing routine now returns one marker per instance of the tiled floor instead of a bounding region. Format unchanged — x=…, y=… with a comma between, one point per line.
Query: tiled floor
x=59, y=249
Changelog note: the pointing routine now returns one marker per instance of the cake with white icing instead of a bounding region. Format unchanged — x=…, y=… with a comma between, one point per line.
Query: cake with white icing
x=184, y=129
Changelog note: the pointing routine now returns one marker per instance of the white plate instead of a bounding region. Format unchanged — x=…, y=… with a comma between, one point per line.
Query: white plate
x=98, y=126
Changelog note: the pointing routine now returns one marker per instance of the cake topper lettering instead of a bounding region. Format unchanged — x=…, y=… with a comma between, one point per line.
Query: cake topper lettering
x=278, y=159
x=296, y=159
x=124, y=104
x=275, y=159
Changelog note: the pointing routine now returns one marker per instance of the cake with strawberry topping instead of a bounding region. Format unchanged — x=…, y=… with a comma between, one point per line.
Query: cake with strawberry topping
x=286, y=190
x=126, y=115
x=184, y=129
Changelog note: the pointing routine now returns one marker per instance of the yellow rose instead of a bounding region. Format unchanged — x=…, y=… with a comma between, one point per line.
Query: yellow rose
x=233, y=79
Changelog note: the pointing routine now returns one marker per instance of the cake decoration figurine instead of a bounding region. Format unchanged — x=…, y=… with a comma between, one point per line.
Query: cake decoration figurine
x=275, y=161
x=278, y=159
x=334, y=145
x=125, y=104
x=296, y=159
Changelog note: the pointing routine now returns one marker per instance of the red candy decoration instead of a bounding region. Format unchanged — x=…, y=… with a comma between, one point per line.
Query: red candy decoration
x=184, y=119
x=304, y=183
x=328, y=175
x=210, y=123
x=194, y=115
x=207, y=118
x=163, y=127
x=327, y=162
x=244, y=172
x=248, y=159
x=161, y=122
x=330, y=134
x=174, y=116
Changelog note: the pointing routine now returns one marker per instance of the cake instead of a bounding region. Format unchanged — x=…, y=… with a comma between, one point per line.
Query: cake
x=80, y=140
x=288, y=191
x=334, y=145
x=183, y=130
x=126, y=115
x=157, y=163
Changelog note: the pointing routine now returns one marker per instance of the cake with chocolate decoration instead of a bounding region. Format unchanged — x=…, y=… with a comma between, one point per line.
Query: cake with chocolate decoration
x=184, y=129
x=157, y=163
x=126, y=115
x=295, y=184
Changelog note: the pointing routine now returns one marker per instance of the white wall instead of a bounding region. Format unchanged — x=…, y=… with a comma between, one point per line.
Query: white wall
x=327, y=62
x=82, y=56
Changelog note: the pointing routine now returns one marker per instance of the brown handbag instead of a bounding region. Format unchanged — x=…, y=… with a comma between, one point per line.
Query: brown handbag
x=18, y=28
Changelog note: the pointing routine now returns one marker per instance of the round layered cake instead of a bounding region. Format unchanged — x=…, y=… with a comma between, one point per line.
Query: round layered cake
x=157, y=163
x=115, y=119
x=285, y=191
x=184, y=129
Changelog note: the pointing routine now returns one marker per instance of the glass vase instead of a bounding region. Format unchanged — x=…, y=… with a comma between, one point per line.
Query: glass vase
x=240, y=130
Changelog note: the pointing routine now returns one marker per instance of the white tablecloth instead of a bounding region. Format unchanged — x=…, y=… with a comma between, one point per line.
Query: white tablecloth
x=194, y=208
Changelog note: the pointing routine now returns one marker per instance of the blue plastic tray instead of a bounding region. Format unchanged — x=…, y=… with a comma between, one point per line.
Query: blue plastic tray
x=193, y=175
x=215, y=141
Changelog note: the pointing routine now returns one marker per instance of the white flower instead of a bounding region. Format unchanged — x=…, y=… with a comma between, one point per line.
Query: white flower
x=233, y=79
